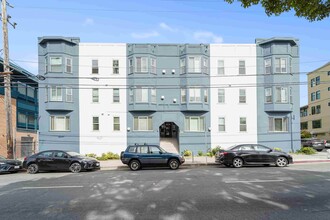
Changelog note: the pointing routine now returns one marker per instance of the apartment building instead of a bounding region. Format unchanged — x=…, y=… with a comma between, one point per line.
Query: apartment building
x=100, y=97
x=315, y=116
x=24, y=94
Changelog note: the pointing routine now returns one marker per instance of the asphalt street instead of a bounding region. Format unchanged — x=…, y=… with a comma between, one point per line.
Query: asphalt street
x=213, y=192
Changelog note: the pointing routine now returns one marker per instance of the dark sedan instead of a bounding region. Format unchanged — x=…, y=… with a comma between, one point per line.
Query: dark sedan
x=59, y=161
x=248, y=154
x=9, y=165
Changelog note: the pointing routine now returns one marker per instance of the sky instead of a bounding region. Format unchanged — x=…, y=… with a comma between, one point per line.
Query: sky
x=161, y=21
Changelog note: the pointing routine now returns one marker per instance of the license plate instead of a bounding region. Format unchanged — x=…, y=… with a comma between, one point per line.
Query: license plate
x=16, y=167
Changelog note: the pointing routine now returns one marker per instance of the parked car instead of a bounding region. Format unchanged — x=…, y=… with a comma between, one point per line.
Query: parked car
x=60, y=161
x=9, y=165
x=138, y=156
x=246, y=154
x=317, y=144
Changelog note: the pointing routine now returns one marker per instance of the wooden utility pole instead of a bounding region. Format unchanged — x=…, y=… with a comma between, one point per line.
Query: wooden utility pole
x=6, y=74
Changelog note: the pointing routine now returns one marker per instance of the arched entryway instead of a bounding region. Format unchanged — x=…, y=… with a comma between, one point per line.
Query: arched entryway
x=169, y=137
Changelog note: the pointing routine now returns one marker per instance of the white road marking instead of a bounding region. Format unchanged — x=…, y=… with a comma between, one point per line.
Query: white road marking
x=253, y=181
x=51, y=187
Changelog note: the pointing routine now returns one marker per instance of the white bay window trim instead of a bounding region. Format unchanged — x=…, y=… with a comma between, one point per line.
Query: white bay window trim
x=278, y=124
x=56, y=94
x=59, y=123
x=194, y=124
x=142, y=123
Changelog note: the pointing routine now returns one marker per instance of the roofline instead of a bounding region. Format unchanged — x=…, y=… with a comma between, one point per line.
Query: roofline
x=72, y=40
x=261, y=41
x=21, y=70
x=327, y=64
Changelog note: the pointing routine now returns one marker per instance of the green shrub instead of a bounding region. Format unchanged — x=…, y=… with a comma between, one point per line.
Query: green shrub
x=215, y=150
x=200, y=153
x=277, y=149
x=210, y=154
x=187, y=153
x=306, y=150
x=91, y=155
x=108, y=156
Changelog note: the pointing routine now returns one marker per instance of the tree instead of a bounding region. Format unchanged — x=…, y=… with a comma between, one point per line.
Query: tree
x=305, y=134
x=312, y=10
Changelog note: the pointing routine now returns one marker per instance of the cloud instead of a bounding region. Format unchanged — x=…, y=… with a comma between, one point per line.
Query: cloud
x=145, y=35
x=207, y=37
x=164, y=26
x=88, y=21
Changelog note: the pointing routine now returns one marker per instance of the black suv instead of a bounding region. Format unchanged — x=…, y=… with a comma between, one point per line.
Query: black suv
x=137, y=156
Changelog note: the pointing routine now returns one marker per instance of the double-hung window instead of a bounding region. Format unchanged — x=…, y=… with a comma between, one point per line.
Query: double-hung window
x=242, y=124
x=115, y=66
x=183, y=96
x=59, y=123
x=317, y=80
x=153, y=65
x=313, y=96
x=194, y=123
x=68, y=65
x=313, y=83
x=95, y=95
x=141, y=64
x=242, y=69
x=268, y=95
x=95, y=67
x=143, y=123
x=141, y=95
x=68, y=94
x=194, y=64
x=153, y=95
x=278, y=124
x=206, y=95
x=194, y=95
x=221, y=95
x=182, y=65
x=56, y=64
x=221, y=67
x=281, y=65
x=281, y=95
x=116, y=123
x=268, y=66
x=56, y=94
x=116, y=95
x=242, y=96
x=221, y=124
x=318, y=94
x=317, y=124
x=96, y=123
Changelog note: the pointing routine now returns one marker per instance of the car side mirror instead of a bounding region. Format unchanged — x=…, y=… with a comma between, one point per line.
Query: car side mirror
x=270, y=150
x=160, y=152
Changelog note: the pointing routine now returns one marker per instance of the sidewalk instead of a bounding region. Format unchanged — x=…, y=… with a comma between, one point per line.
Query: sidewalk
x=202, y=161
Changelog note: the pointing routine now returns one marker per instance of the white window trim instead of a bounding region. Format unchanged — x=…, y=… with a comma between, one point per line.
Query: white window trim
x=113, y=125
x=193, y=91
x=201, y=127
x=246, y=130
x=143, y=117
x=280, y=64
x=273, y=127
x=224, y=96
x=95, y=116
x=113, y=95
x=50, y=62
x=67, y=119
x=57, y=97
x=268, y=64
x=224, y=119
x=68, y=93
x=66, y=65
x=113, y=67
x=98, y=95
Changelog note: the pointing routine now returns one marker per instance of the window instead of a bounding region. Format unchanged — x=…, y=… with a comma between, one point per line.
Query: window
x=56, y=64
x=206, y=93
x=303, y=112
x=182, y=65
x=280, y=65
x=318, y=109
x=205, y=65
x=313, y=110
x=194, y=95
x=60, y=154
x=95, y=95
x=183, y=96
x=46, y=64
x=68, y=92
x=221, y=124
x=115, y=96
x=317, y=80
x=95, y=67
x=153, y=65
x=313, y=96
x=143, y=123
x=277, y=124
x=68, y=65
x=59, y=123
x=268, y=66
x=96, y=124
x=304, y=125
x=328, y=73
x=313, y=82
x=141, y=95
x=21, y=87
x=56, y=94
x=116, y=123
x=153, y=95
x=194, y=124
x=30, y=91
x=141, y=64
x=142, y=149
x=194, y=64
x=242, y=96
x=221, y=67
x=221, y=95
x=131, y=96
x=318, y=94
x=131, y=67
x=242, y=124
x=115, y=66
x=317, y=124
x=328, y=88
x=46, y=154
x=154, y=150
x=268, y=95
x=281, y=95
x=242, y=70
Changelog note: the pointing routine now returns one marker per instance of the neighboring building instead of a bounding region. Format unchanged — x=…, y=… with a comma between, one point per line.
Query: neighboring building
x=24, y=93
x=180, y=96
x=315, y=116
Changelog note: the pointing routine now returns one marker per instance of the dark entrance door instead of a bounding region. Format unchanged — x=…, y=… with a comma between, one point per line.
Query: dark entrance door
x=168, y=130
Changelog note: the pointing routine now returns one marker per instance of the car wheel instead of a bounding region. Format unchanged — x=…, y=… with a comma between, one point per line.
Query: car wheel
x=33, y=168
x=319, y=150
x=134, y=165
x=173, y=164
x=75, y=167
x=237, y=162
x=281, y=162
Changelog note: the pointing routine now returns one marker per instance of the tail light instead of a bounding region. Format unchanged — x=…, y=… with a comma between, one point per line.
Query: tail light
x=224, y=153
x=25, y=158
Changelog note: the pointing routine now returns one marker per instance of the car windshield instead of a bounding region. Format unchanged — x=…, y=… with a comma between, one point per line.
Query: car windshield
x=162, y=150
x=232, y=147
x=74, y=154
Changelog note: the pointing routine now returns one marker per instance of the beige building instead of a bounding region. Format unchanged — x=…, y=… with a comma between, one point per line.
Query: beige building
x=315, y=117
